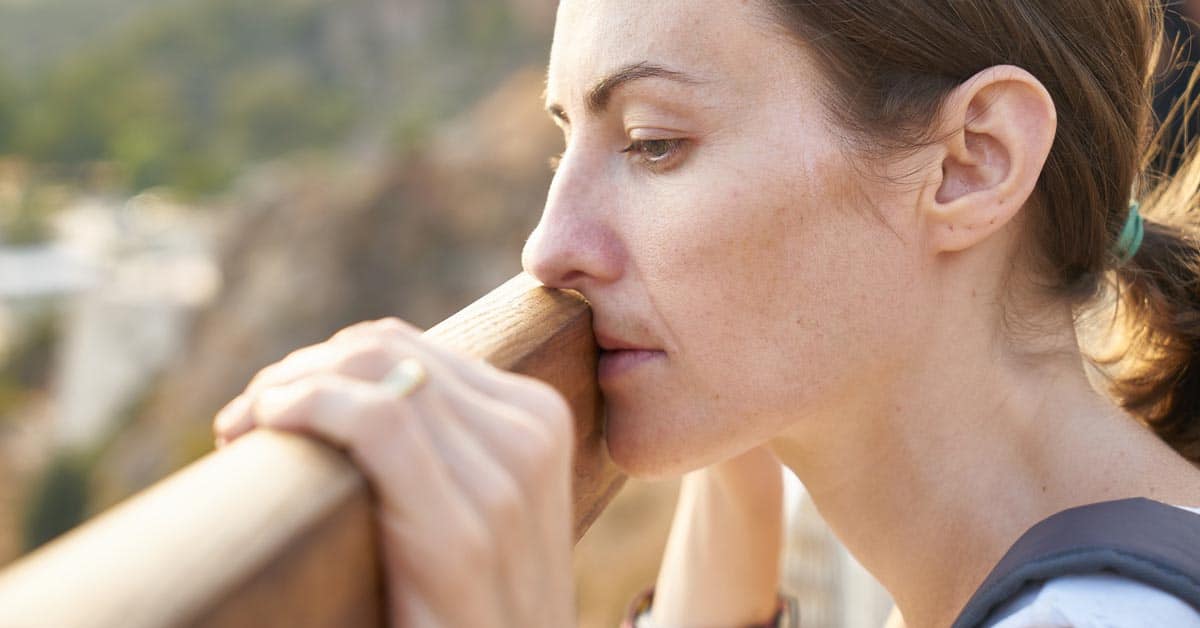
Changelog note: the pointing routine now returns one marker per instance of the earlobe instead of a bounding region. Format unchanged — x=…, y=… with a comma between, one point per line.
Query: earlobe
x=998, y=130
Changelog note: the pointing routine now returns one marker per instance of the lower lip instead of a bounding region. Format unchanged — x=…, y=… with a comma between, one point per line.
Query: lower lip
x=613, y=364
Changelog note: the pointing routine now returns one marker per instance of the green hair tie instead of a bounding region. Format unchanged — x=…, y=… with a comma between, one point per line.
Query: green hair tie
x=1132, y=235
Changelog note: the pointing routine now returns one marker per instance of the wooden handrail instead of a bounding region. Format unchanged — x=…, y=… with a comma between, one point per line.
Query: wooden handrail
x=276, y=530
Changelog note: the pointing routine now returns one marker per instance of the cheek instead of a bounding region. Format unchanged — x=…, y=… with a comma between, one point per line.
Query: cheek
x=776, y=290
x=764, y=260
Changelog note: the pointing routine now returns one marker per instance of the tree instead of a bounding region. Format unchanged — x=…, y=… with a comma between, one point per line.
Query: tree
x=9, y=108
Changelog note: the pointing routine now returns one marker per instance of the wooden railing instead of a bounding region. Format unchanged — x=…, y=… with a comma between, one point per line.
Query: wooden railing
x=276, y=530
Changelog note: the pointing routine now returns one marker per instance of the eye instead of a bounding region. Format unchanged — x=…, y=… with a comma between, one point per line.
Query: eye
x=655, y=153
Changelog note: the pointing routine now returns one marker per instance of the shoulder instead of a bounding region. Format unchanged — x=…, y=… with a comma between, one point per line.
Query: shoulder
x=1094, y=600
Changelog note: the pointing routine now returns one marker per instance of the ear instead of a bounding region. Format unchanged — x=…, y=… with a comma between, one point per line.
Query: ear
x=998, y=128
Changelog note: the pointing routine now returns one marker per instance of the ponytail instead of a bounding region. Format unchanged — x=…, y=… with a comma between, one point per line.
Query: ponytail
x=1156, y=345
x=1159, y=295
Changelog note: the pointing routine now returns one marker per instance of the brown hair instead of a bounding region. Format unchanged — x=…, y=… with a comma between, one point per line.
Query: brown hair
x=891, y=63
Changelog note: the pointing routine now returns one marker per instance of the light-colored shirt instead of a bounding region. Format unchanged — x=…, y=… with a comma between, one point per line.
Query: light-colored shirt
x=834, y=591
x=1095, y=601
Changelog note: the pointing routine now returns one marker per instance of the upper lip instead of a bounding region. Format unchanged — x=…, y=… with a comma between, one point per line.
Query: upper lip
x=611, y=343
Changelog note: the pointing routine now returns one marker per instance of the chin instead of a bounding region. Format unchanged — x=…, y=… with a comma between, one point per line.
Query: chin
x=647, y=447
x=639, y=465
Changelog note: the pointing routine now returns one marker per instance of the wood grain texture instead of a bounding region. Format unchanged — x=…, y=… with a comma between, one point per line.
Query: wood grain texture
x=277, y=530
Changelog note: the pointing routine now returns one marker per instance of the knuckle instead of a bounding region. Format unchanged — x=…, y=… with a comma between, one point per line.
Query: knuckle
x=309, y=390
x=275, y=404
x=363, y=357
x=263, y=377
x=389, y=326
x=320, y=384
x=351, y=331
x=278, y=371
x=296, y=355
x=290, y=355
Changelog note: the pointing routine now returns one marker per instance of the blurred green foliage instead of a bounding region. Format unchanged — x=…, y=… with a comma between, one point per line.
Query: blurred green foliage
x=188, y=96
x=9, y=104
x=189, y=93
x=57, y=502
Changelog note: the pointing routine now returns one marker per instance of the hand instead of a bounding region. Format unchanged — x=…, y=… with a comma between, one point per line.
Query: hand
x=471, y=471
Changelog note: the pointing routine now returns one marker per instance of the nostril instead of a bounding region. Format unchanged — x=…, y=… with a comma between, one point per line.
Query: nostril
x=549, y=260
x=569, y=250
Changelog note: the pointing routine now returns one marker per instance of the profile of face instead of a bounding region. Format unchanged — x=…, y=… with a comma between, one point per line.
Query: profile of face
x=746, y=275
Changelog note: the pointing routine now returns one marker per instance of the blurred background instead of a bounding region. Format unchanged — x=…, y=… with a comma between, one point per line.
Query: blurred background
x=189, y=189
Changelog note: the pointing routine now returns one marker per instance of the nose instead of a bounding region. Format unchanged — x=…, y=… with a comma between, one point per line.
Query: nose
x=575, y=244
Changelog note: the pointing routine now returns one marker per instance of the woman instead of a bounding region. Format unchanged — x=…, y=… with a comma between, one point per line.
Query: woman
x=854, y=235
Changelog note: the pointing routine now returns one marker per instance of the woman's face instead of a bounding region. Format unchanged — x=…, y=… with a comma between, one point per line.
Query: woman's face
x=708, y=210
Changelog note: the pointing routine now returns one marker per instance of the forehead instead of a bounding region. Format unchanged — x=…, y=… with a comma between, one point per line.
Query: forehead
x=705, y=38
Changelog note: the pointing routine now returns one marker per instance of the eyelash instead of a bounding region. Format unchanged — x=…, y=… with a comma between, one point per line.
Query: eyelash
x=640, y=150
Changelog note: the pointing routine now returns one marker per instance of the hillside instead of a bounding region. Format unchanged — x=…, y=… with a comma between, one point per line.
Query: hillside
x=188, y=93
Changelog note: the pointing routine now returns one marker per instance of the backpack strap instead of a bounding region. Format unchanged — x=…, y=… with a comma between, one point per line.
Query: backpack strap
x=1140, y=539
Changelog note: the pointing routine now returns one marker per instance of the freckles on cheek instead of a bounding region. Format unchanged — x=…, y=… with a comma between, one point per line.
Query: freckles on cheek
x=768, y=235
x=735, y=256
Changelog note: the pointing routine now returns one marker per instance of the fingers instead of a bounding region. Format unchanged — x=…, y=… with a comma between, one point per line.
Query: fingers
x=415, y=453
x=471, y=468
x=363, y=358
x=502, y=463
x=233, y=420
x=354, y=355
x=499, y=501
x=368, y=350
x=428, y=520
x=537, y=397
x=319, y=405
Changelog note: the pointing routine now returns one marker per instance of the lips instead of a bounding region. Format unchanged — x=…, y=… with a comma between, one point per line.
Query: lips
x=619, y=357
x=612, y=343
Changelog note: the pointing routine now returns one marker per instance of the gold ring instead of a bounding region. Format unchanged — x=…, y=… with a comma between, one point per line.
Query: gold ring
x=405, y=378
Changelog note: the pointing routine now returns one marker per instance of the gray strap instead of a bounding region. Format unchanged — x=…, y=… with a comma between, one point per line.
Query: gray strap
x=1140, y=539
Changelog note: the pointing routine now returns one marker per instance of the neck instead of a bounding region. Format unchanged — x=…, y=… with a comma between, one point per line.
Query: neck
x=931, y=475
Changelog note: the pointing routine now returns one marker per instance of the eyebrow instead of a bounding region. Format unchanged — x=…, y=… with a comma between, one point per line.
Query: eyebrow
x=599, y=96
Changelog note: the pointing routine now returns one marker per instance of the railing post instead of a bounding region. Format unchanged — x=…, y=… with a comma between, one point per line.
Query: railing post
x=276, y=530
